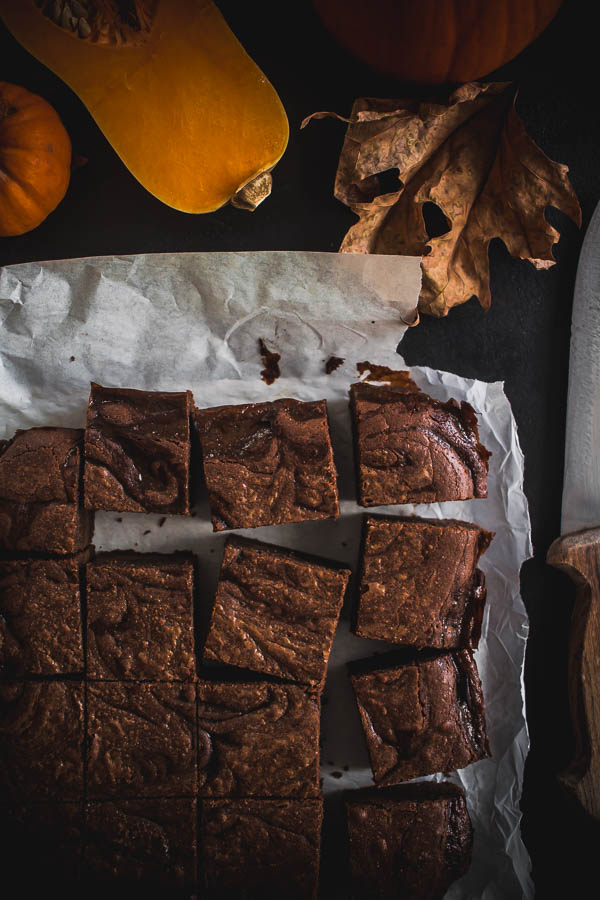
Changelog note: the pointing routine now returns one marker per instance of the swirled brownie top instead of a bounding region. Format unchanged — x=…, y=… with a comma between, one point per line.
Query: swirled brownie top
x=267, y=463
x=257, y=739
x=40, y=618
x=422, y=717
x=141, y=845
x=140, y=617
x=412, y=841
x=275, y=611
x=41, y=508
x=261, y=847
x=137, y=451
x=411, y=448
x=141, y=740
x=41, y=736
x=419, y=584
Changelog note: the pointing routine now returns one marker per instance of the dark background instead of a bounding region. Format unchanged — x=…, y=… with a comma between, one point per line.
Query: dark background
x=523, y=340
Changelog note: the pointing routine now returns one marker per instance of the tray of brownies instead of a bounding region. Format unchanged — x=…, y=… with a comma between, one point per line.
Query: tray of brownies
x=260, y=638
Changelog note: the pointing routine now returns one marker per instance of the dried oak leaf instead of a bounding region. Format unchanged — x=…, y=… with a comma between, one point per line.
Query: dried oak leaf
x=471, y=157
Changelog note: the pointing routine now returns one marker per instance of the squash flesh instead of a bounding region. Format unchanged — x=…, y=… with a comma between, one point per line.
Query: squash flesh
x=189, y=113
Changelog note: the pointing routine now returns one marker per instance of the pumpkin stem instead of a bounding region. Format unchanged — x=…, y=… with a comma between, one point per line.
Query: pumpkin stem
x=253, y=193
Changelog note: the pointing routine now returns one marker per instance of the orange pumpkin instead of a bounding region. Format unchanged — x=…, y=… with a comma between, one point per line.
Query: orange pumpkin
x=434, y=41
x=188, y=111
x=35, y=159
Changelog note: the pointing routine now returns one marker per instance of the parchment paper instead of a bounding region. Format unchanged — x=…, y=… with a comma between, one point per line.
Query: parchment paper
x=176, y=321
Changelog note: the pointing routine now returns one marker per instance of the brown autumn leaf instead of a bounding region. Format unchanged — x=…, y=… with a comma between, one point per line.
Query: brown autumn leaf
x=471, y=157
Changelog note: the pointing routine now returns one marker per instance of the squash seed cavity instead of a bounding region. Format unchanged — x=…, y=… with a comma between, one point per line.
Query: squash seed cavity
x=116, y=22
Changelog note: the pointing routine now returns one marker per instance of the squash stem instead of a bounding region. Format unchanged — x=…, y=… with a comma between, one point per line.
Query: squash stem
x=253, y=193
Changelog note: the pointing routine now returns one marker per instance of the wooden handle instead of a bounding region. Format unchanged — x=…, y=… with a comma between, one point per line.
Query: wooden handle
x=579, y=555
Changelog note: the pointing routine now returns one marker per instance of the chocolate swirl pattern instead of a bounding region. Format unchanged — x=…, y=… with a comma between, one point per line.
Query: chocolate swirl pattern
x=413, y=841
x=41, y=733
x=260, y=848
x=41, y=506
x=40, y=618
x=423, y=717
x=140, y=617
x=275, y=611
x=420, y=585
x=141, y=842
x=267, y=463
x=257, y=740
x=412, y=448
x=137, y=451
x=141, y=740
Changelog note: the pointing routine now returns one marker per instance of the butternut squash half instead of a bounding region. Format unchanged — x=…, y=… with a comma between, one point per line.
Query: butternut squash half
x=189, y=113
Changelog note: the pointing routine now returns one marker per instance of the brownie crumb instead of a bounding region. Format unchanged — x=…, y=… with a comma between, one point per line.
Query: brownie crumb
x=72, y=359
x=119, y=519
x=337, y=774
x=271, y=370
x=147, y=531
x=162, y=521
x=398, y=377
x=333, y=363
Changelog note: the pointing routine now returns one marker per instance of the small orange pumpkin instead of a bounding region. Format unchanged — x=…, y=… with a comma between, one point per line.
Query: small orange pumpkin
x=433, y=41
x=35, y=160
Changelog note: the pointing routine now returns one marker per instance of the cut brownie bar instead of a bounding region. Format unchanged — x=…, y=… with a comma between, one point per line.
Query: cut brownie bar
x=41, y=738
x=412, y=841
x=41, y=507
x=257, y=739
x=411, y=448
x=260, y=848
x=420, y=584
x=141, y=740
x=135, y=844
x=422, y=717
x=137, y=451
x=267, y=463
x=40, y=618
x=275, y=611
x=42, y=846
x=140, y=617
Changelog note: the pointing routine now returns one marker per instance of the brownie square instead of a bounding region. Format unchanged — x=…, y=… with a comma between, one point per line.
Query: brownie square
x=40, y=618
x=41, y=505
x=140, y=617
x=267, y=463
x=141, y=740
x=257, y=739
x=419, y=582
x=137, y=451
x=260, y=848
x=141, y=843
x=275, y=611
x=422, y=717
x=412, y=841
x=411, y=448
x=41, y=740
x=42, y=846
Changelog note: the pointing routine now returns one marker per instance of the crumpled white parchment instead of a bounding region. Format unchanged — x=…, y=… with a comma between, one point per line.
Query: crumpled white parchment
x=177, y=321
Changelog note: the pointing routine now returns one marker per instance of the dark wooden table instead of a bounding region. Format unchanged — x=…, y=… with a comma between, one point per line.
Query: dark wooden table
x=523, y=339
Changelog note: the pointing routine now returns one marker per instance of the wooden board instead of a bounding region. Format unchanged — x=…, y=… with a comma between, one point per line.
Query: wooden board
x=579, y=556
